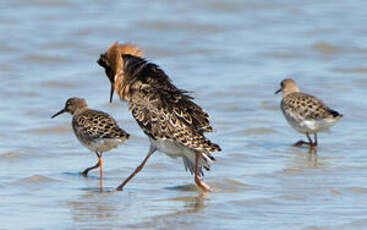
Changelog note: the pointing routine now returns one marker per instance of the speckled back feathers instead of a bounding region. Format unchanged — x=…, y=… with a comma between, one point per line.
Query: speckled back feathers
x=308, y=107
x=162, y=110
x=96, y=124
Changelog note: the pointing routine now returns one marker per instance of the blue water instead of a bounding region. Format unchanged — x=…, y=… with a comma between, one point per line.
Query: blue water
x=233, y=55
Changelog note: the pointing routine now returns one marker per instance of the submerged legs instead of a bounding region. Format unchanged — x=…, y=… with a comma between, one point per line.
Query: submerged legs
x=98, y=164
x=311, y=143
x=198, y=180
x=315, y=143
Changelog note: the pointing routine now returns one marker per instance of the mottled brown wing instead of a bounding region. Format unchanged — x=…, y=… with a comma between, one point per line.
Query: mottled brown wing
x=308, y=107
x=140, y=73
x=97, y=124
x=167, y=115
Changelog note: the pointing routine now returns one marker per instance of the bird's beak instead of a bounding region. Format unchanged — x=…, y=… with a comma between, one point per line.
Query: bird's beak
x=58, y=113
x=278, y=91
x=111, y=92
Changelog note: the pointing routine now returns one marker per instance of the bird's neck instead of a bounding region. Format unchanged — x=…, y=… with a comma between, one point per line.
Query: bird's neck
x=122, y=88
x=79, y=110
x=291, y=90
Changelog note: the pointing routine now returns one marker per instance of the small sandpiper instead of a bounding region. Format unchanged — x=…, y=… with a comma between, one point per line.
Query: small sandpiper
x=174, y=124
x=305, y=113
x=96, y=130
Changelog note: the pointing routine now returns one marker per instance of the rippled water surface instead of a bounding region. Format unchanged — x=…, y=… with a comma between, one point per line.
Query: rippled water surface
x=232, y=54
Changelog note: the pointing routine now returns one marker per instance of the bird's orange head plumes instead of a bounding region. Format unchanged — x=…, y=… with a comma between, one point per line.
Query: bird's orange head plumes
x=113, y=62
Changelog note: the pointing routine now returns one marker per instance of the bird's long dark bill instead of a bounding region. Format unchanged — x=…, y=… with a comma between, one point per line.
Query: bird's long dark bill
x=112, y=90
x=278, y=91
x=58, y=113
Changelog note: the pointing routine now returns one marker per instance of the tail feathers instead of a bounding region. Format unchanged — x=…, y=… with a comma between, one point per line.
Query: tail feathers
x=215, y=148
x=204, y=160
x=206, y=145
x=335, y=114
x=209, y=157
x=124, y=135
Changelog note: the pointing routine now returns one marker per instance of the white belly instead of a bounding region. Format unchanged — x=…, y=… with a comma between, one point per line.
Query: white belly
x=102, y=145
x=171, y=148
x=312, y=126
x=174, y=150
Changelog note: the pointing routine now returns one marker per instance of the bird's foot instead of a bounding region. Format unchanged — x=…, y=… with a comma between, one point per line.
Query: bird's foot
x=202, y=184
x=300, y=143
x=85, y=173
x=119, y=188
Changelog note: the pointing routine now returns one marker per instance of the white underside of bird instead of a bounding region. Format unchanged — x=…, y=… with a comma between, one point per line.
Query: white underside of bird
x=311, y=126
x=101, y=145
x=174, y=150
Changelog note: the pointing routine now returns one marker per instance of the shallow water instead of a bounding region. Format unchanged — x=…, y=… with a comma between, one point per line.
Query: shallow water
x=233, y=54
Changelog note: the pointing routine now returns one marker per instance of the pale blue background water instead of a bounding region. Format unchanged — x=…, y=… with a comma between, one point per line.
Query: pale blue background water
x=233, y=54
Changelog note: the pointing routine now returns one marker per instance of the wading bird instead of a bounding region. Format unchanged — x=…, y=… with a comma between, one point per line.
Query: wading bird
x=174, y=124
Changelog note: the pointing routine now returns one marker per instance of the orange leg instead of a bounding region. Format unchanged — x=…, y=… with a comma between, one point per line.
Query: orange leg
x=100, y=160
x=198, y=180
x=101, y=173
x=137, y=170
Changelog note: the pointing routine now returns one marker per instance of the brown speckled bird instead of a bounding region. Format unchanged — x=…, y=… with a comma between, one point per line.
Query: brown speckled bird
x=305, y=113
x=174, y=124
x=96, y=130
